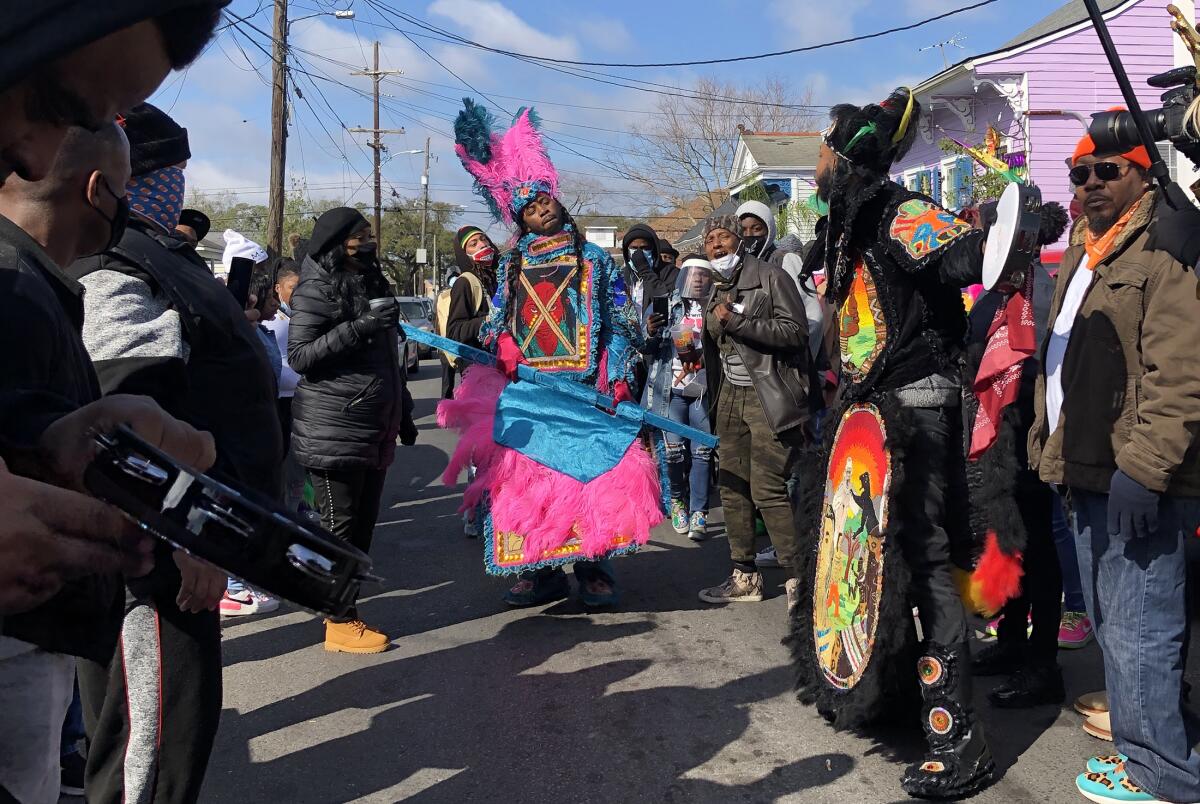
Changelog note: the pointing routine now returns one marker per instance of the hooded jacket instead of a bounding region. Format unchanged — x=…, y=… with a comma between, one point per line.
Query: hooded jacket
x=465, y=317
x=761, y=211
x=1131, y=388
x=660, y=282
x=352, y=398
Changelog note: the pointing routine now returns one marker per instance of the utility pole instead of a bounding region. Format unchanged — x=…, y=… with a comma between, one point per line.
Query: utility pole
x=425, y=207
x=376, y=144
x=278, y=128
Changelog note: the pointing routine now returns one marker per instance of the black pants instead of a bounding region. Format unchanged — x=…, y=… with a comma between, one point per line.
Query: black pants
x=152, y=713
x=932, y=512
x=284, y=406
x=348, y=501
x=1041, y=587
x=449, y=375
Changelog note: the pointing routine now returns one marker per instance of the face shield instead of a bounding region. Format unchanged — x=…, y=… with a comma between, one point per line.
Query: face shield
x=695, y=280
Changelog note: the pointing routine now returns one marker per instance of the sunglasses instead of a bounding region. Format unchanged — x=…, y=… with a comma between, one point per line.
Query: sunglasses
x=1105, y=171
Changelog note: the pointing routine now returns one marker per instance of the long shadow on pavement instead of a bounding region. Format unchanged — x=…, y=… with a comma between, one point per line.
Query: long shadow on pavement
x=492, y=731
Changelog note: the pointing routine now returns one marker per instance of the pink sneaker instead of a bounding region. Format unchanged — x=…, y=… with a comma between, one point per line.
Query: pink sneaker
x=1075, y=630
x=238, y=604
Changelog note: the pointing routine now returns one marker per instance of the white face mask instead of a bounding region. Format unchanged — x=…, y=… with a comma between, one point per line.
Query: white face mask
x=725, y=265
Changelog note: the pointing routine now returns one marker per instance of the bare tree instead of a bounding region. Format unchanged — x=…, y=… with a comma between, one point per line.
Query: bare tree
x=686, y=148
x=580, y=195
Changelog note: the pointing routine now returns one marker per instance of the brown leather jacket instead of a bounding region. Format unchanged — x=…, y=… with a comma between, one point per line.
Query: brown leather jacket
x=1131, y=373
x=771, y=336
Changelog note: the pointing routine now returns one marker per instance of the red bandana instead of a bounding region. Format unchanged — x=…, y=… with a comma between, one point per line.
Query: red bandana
x=1012, y=338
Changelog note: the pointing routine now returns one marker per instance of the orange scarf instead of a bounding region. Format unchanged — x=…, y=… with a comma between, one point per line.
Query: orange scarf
x=1099, y=247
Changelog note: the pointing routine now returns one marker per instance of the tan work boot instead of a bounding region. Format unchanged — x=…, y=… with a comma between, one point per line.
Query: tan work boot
x=1092, y=703
x=353, y=637
x=740, y=587
x=791, y=588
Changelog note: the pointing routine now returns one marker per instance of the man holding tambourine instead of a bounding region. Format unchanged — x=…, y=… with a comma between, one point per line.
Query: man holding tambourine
x=892, y=512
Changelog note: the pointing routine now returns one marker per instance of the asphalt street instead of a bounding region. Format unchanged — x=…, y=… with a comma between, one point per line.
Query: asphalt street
x=665, y=700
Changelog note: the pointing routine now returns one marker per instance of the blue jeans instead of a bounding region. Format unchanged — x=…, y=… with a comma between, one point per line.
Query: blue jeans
x=72, y=731
x=1135, y=594
x=1064, y=543
x=692, y=411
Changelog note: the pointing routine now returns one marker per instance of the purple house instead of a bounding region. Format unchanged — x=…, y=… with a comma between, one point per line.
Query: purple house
x=1038, y=92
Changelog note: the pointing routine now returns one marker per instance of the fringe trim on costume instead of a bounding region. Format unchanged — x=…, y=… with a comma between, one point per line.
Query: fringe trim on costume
x=887, y=683
x=546, y=507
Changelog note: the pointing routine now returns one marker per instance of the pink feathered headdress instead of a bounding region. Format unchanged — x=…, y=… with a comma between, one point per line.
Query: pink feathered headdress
x=509, y=169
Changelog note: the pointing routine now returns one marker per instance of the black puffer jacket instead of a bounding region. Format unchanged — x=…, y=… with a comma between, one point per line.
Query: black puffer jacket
x=352, y=397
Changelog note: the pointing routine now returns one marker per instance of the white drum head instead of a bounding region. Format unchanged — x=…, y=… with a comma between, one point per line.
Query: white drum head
x=1001, y=236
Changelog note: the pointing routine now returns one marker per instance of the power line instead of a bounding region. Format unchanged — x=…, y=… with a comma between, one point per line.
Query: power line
x=729, y=60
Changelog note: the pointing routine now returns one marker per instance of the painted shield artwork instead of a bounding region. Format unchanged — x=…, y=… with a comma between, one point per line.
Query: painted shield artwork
x=862, y=328
x=849, y=569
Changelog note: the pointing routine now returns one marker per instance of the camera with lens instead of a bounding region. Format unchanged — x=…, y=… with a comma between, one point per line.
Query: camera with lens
x=1117, y=132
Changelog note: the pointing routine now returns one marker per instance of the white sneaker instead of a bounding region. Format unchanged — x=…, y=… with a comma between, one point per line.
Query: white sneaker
x=767, y=558
x=791, y=588
x=238, y=604
x=266, y=603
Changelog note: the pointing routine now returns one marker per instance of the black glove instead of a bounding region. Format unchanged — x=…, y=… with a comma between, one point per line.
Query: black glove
x=376, y=320
x=1177, y=232
x=641, y=266
x=408, y=431
x=1132, y=508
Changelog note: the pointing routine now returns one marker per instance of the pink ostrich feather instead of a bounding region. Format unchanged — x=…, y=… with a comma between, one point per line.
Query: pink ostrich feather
x=545, y=506
x=518, y=157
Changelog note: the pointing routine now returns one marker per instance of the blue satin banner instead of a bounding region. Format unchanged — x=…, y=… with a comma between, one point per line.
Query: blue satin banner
x=558, y=432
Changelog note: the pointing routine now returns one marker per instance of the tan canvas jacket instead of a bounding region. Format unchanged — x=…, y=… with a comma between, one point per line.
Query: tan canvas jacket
x=1131, y=373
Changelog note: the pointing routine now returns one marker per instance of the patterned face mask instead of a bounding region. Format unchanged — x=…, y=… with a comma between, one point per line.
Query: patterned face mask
x=158, y=196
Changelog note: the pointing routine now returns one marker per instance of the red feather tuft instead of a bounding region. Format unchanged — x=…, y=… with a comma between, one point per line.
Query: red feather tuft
x=997, y=575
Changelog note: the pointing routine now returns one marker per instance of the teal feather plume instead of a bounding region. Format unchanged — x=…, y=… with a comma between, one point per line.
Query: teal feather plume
x=473, y=131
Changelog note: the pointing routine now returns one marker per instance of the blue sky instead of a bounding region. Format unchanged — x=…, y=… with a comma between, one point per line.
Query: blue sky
x=224, y=99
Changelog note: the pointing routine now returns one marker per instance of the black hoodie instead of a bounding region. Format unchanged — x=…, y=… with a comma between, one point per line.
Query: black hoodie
x=464, y=319
x=661, y=282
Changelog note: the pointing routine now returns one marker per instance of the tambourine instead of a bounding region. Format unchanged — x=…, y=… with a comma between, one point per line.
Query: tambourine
x=1012, y=243
x=241, y=532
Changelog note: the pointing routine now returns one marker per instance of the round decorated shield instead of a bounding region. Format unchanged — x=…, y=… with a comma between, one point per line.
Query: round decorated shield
x=848, y=578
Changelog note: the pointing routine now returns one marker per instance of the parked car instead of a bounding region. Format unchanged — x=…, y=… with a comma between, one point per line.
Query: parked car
x=410, y=350
x=418, y=310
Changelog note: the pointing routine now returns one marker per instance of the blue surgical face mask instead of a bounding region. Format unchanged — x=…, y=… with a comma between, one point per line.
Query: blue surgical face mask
x=651, y=257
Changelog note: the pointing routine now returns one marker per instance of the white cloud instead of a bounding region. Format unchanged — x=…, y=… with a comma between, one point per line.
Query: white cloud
x=812, y=22
x=490, y=23
x=606, y=34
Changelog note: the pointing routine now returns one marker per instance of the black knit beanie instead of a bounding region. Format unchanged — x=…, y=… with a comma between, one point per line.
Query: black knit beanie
x=332, y=228
x=155, y=140
x=35, y=33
